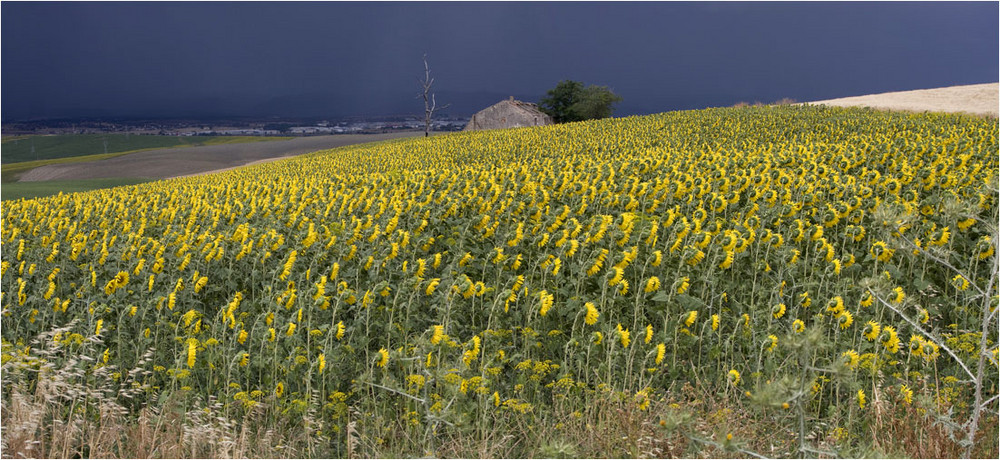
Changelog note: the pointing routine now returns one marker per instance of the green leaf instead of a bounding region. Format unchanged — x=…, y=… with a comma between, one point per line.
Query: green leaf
x=660, y=296
x=689, y=302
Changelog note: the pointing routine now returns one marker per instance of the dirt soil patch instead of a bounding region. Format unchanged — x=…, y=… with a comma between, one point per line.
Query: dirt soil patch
x=974, y=99
x=176, y=162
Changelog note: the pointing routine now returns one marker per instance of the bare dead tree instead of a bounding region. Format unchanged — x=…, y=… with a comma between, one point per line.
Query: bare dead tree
x=430, y=104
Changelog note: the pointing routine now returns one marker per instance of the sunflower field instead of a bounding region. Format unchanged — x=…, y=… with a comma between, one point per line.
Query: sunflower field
x=809, y=279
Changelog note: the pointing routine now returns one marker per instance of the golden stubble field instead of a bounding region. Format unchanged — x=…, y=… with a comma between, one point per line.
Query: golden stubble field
x=981, y=99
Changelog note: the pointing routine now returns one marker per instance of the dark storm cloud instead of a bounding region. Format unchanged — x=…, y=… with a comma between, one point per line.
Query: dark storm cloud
x=72, y=59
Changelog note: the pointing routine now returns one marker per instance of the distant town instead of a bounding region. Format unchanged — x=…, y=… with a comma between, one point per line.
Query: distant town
x=232, y=127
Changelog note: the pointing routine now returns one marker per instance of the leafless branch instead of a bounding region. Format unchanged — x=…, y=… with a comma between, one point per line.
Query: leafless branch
x=430, y=102
x=916, y=326
x=946, y=264
x=989, y=401
x=393, y=390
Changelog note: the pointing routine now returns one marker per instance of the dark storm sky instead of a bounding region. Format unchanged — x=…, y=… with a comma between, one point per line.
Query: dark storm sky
x=330, y=59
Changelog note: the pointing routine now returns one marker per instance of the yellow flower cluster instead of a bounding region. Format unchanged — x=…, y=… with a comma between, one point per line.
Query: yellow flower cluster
x=643, y=223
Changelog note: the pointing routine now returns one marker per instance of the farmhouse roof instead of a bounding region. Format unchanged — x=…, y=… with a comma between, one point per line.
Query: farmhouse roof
x=509, y=113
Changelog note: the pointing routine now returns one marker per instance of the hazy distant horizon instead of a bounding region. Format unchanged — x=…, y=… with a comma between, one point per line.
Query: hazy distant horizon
x=170, y=60
x=330, y=106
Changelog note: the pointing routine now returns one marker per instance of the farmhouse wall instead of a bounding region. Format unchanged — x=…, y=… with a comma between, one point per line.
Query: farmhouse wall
x=508, y=114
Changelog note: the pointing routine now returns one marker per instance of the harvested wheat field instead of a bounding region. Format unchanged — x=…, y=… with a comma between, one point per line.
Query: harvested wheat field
x=973, y=99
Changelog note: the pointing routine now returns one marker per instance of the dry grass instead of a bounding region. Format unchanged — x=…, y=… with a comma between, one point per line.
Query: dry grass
x=910, y=431
x=38, y=425
x=43, y=424
x=80, y=410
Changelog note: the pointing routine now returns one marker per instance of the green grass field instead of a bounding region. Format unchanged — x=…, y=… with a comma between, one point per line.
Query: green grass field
x=18, y=149
x=24, y=153
x=18, y=190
